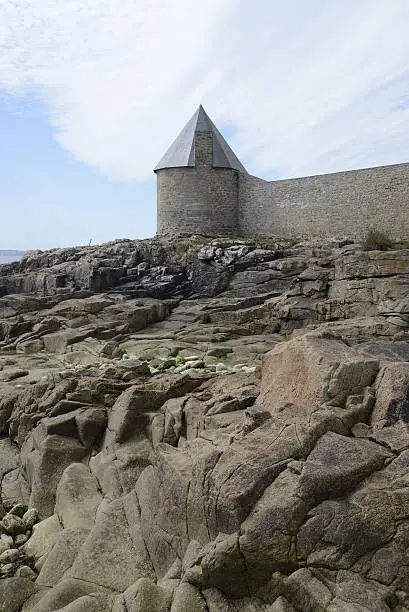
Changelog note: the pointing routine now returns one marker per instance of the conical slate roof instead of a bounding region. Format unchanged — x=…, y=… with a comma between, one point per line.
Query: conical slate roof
x=181, y=152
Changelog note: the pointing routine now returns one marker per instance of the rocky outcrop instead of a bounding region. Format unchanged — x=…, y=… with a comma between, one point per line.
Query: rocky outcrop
x=226, y=429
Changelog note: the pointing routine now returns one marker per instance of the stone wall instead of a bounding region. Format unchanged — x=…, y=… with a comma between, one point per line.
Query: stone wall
x=343, y=204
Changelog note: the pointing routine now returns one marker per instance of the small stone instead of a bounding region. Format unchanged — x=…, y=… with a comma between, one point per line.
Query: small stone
x=155, y=363
x=219, y=351
x=13, y=524
x=220, y=367
x=295, y=466
x=249, y=369
x=30, y=518
x=9, y=361
x=26, y=572
x=30, y=347
x=238, y=367
x=128, y=376
x=10, y=556
x=20, y=539
x=14, y=374
x=137, y=368
x=136, y=365
x=108, y=348
x=361, y=430
x=3, y=546
x=7, y=539
x=168, y=363
x=110, y=372
x=39, y=564
x=18, y=510
x=198, y=364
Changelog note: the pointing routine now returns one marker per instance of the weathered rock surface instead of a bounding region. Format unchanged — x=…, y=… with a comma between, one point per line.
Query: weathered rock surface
x=14, y=592
x=198, y=425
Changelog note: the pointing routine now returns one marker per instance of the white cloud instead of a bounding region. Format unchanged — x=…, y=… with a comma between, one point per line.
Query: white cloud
x=309, y=87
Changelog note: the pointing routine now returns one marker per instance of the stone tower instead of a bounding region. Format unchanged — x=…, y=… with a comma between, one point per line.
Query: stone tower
x=198, y=182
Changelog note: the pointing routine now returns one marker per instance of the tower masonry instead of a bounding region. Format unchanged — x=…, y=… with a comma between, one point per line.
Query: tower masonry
x=203, y=188
x=198, y=182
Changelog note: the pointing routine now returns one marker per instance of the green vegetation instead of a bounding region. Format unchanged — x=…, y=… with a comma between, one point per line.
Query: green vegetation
x=377, y=240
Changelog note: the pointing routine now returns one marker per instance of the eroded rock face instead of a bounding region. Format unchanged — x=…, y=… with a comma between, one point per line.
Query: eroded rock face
x=314, y=369
x=204, y=426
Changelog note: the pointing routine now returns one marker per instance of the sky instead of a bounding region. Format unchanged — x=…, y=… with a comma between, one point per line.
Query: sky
x=93, y=93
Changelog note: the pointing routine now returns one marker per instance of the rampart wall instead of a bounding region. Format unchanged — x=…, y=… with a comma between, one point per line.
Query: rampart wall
x=343, y=204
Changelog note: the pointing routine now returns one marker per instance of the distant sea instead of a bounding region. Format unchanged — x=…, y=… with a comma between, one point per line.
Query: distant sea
x=9, y=255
